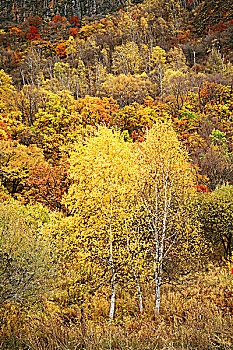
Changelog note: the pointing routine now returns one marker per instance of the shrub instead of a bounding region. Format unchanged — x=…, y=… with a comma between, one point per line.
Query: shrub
x=215, y=212
x=26, y=252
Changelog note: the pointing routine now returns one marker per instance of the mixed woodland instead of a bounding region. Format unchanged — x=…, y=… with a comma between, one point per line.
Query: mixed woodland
x=116, y=174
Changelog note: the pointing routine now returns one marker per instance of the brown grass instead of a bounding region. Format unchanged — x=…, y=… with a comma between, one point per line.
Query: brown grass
x=199, y=318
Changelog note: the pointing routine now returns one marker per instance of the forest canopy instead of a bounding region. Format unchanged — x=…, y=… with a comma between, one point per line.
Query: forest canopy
x=116, y=174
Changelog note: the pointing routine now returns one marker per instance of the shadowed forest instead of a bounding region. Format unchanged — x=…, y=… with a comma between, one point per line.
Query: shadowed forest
x=116, y=174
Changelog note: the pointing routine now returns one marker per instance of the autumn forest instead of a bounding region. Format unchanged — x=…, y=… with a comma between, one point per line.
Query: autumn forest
x=116, y=174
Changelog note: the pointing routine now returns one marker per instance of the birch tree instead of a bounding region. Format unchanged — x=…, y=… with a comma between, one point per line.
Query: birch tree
x=101, y=171
x=158, y=63
x=165, y=184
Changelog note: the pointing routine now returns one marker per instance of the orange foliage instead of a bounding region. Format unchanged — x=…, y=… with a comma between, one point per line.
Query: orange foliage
x=94, y=110
x=134, y=15
x=219, y=27
x=58, y=18
x=212, y=92
x=47, y=184
x=202, y=188
x=16, y=32
x=61, y=51
x=183, y=36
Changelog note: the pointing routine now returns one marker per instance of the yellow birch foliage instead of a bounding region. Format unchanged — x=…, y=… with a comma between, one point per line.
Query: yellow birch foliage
x=127, y=59
x=7, y=91
x=126, y=89
x=165, y=183
x=16, y=162
x=119, y=190
x=102, y=173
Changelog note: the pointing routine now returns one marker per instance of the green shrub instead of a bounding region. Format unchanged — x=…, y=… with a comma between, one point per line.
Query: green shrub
x=215, y=213
x=27, y=253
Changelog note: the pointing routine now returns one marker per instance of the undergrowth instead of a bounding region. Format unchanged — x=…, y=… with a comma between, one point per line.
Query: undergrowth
x=198, y=315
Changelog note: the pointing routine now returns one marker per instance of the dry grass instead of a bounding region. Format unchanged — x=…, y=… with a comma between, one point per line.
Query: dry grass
x=201, y=318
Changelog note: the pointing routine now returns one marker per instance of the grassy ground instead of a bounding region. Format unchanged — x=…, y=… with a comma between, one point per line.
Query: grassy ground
x=197, y=316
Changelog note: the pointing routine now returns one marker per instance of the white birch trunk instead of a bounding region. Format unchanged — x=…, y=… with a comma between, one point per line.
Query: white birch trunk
x=158, y=284
x=140, y=297
x=135, y=273
x=113, y=296
x=160, y=251
x=161, y=82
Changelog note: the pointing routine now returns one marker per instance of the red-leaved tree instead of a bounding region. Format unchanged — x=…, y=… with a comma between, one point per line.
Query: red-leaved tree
x=33, y=34
x=48, y=183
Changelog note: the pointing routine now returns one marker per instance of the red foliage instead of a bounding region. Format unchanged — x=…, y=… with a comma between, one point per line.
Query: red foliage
x=219, y=27
x=202, y=188
x=33, y=34
x=74, y=20
x=74, y=32
x=211, y=93
x=48, y=183
x=4, y=132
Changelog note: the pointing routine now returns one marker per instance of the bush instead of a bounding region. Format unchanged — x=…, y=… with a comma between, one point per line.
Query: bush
x=27, y=254
x=215, y=213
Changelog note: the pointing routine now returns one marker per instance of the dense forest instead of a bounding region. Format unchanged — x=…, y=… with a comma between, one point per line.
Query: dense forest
x=116, y=174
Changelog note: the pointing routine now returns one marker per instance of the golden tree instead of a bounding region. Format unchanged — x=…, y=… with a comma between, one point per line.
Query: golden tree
x=128, y=209
x=102, y=174
x=165, y=182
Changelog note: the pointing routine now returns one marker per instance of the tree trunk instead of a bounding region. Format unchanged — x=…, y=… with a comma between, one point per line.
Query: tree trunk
x=140, y=297
x=113, y=296
x=158, y=283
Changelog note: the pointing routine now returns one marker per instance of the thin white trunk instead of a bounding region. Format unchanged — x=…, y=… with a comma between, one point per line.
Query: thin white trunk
x=158, y=290
x=161, y=82
x=77, y=89
x=134, y=273
x=90, y=81
x=140, y=297
x=113, y=296
x=160, y=253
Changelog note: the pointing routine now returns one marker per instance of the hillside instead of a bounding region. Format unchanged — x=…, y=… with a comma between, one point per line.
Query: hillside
x=18, y=11
x=116, y=174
